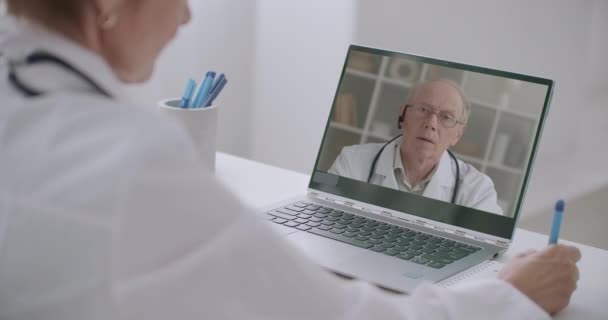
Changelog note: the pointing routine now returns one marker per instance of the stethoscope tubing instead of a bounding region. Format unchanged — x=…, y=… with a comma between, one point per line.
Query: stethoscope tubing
x=456, y=183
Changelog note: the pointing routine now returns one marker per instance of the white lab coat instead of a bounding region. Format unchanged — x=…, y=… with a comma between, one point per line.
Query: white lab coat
x=476, y=189
x=106, y=213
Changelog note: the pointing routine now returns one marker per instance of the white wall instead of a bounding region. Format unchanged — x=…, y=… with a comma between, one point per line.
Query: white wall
x=597, y=65
x=220, y=37
x=283, y=59
x=301, y=46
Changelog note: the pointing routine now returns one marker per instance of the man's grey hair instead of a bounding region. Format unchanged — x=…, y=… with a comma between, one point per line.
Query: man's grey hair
x=466, y=105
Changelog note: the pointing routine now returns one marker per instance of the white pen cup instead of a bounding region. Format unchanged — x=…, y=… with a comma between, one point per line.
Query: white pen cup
x=200, y=125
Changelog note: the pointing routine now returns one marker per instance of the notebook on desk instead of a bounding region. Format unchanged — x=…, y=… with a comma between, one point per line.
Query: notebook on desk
x=422, y=170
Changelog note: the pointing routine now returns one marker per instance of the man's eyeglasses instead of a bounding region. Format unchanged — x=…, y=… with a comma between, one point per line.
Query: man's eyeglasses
x=447, y=119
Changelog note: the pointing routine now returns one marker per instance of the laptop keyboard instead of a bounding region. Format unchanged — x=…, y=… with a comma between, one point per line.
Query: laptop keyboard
x=400, y=242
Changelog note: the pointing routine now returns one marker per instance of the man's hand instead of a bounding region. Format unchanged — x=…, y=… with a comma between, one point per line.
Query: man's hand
x=548, y=277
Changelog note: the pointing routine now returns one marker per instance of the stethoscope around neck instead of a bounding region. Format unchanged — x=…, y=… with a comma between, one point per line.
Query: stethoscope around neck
x=452, y=156
x=40, y=57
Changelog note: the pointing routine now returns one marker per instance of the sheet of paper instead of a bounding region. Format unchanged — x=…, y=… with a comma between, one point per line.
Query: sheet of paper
x=484, y=270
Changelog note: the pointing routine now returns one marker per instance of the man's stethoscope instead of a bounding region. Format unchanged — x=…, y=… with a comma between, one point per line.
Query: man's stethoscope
x=40, y=57
x=373, y=166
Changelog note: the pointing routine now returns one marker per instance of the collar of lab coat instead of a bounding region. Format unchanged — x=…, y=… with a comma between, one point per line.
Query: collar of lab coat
x=442, y=178
x=398, y=165
x=27, y=38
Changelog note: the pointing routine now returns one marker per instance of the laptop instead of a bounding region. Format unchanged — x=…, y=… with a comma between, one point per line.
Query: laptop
x=360, y=226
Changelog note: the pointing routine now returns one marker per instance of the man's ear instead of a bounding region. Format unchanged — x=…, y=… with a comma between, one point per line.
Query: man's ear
x=401, y=116
x=107, y=6
x=107, y=12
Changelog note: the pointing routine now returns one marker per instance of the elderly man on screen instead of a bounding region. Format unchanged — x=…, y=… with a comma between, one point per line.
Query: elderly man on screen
x=418, y=161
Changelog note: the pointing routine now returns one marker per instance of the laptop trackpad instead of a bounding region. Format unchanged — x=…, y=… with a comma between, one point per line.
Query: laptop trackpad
x=360, y=263
x=415, y=274
x=386, y=271
x=326, y=252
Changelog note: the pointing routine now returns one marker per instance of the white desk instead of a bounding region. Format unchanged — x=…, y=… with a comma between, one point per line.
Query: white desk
x=259, y=185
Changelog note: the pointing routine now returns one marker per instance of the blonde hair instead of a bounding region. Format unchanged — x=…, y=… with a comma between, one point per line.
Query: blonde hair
x=56, y=14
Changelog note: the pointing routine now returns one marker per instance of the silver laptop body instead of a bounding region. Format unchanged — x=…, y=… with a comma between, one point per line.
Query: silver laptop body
x=516, y=113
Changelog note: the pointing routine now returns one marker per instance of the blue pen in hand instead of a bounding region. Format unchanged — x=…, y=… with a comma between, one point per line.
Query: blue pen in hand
x=557, y=221
x=187, y=94
x=203, y=91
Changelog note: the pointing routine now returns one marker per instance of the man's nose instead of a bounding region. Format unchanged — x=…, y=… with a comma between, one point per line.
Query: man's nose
x=431, y=121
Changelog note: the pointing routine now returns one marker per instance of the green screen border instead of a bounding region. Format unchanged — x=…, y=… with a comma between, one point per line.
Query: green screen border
x=436, y=210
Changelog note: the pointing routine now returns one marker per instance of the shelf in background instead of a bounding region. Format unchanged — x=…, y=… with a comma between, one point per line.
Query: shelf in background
x=362, y=74
x=346, y=127
x=481, y=162
x=359, y=131
x=504, y=168
x=397, y=82
x=503, y=109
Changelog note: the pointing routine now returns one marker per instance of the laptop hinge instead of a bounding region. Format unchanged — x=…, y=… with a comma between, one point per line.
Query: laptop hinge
x=417, y=221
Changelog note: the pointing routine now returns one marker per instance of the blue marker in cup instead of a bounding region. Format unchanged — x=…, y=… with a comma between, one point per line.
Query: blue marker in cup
x=217, y=88
x=203, y=90
x=187, y=96
x=558, y=214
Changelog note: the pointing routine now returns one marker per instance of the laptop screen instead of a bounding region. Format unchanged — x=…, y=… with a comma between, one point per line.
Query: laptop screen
x=436, y=139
